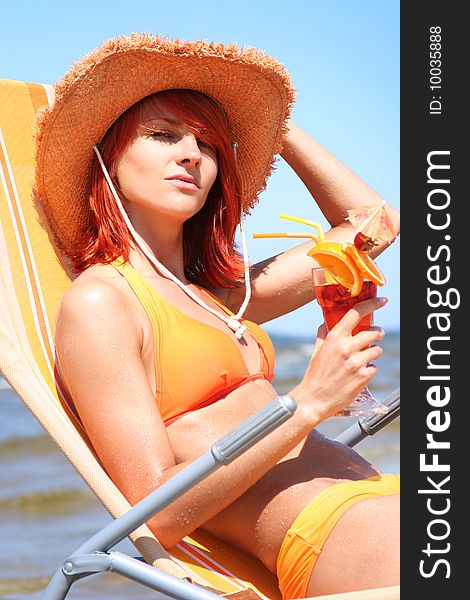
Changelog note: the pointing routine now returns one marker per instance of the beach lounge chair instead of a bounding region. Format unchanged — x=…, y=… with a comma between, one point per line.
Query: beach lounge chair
x=33, y=280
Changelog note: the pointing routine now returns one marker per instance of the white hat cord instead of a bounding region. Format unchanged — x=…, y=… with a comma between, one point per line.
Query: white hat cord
x=233, y=321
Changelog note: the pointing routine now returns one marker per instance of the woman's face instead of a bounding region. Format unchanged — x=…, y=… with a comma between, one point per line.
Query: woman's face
x=166, y=169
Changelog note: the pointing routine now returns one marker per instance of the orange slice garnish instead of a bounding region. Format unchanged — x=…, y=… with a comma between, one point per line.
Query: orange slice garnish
x=365, y=264
x=332, y=257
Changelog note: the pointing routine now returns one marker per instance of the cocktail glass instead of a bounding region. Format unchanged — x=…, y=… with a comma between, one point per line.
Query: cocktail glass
x=335, y=301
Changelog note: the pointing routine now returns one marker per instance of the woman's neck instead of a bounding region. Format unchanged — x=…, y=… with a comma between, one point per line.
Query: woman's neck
x=164, y=241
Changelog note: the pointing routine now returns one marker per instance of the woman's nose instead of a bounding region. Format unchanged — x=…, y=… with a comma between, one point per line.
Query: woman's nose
x=189, y=152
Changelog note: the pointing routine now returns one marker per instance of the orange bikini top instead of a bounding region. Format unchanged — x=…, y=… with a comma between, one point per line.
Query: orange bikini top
x=196, y=364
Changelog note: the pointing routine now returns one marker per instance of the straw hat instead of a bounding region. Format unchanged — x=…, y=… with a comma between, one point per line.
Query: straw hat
x=254, y=90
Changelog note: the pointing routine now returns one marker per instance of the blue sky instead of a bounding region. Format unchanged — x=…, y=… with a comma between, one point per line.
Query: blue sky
x=344, y=59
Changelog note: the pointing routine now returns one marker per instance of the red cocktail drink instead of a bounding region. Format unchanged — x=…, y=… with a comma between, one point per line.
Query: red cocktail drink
x=335, y=301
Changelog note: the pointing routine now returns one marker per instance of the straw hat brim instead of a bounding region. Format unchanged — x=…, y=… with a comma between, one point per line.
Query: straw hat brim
x=254, y=90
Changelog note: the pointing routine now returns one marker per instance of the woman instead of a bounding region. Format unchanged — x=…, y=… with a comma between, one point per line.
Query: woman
x=145, y=162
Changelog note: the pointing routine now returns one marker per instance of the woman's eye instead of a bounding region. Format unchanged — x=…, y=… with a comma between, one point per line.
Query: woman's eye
x=162, y=134
x=204, y=145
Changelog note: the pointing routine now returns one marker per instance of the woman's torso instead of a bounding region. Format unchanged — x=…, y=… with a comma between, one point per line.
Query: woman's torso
x=196, y=362
x=258, y=520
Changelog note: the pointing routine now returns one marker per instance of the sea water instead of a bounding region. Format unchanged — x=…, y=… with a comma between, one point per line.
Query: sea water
x=46, y=511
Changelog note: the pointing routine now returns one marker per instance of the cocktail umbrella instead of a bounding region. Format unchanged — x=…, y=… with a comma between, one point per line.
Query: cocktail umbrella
x=373, y=222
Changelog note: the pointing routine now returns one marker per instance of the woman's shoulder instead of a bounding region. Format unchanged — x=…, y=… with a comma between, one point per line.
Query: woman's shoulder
x=97, y=282
x=97, y=311
x=97, y=291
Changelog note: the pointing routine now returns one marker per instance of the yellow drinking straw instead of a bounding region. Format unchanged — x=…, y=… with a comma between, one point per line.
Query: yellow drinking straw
x=317, y=226
x=286, y=235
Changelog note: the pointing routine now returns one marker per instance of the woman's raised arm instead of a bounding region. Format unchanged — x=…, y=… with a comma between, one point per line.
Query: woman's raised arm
x=283, y=283
x=334, y=187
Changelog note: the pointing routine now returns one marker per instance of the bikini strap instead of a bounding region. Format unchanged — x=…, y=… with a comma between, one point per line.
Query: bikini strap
x=141, y=288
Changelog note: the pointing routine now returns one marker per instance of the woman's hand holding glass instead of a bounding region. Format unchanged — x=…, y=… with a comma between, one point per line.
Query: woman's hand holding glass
x=341, y=363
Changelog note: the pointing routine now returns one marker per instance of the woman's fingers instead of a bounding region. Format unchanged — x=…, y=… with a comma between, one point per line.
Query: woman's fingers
x=356, y=361
x=372, y=353
x=354, y=316
x=367, y=337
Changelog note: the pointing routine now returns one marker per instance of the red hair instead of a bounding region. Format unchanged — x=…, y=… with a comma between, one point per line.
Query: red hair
x=210, y=255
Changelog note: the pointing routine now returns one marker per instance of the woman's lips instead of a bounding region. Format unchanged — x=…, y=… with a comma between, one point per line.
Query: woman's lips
x=183, y=185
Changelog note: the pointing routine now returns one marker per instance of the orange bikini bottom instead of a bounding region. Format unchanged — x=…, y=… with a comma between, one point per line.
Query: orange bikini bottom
x=310, y=530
